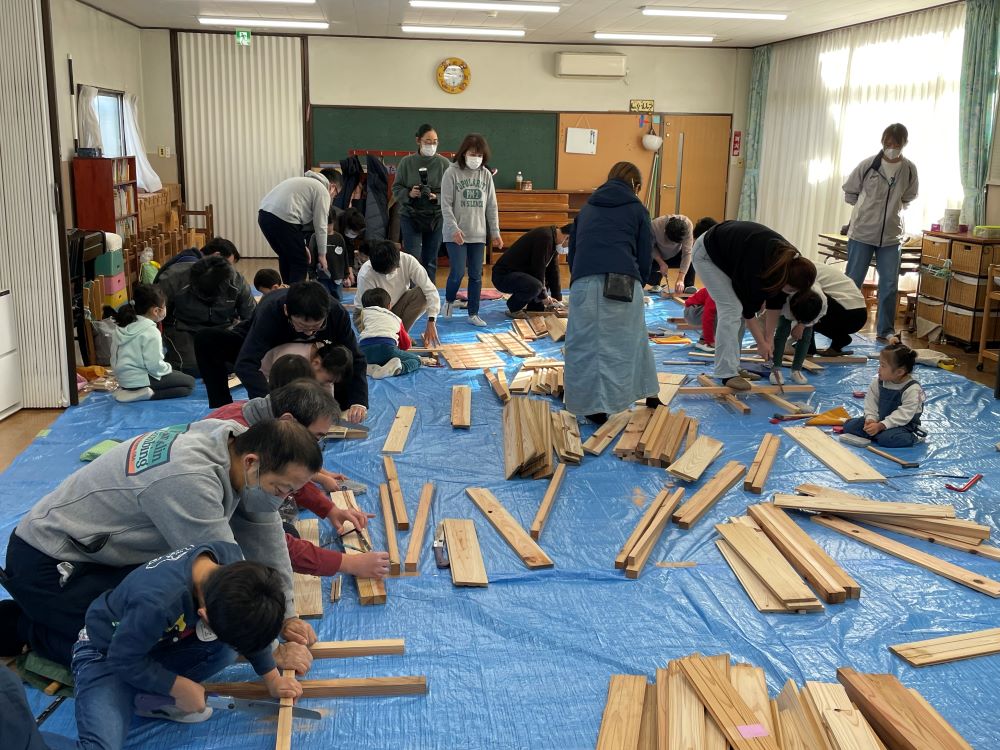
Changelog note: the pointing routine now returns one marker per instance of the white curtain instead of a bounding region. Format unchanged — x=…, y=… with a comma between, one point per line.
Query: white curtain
x=829, y=98
x=146, y=176
x=88, y=122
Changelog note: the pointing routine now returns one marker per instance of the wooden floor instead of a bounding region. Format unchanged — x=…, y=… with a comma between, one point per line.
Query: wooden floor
x=17, y=432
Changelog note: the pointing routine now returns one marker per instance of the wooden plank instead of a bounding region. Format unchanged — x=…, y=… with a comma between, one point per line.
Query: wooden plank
x=751, y=685
x=736, y=404
x=761, y=596
x=849, y=730
x=764, y=450
x=949, y=648
x=526, y=548
x=722, y=390
x=464, y=556
x=945, y=540
x=390, y=532
x=629, y=441
x=308, y=590
x=556, y=327
x=763, y=557
x=335, y=589
x=662, y=709
x=499, y=388
x=943, y=568
x=781, y=403
x=696, y=459
x=689, y=513
x=934, y=716
x=622, y=718
x=337, y=688
x=412, y=562
x=547, y=500
x=351, y=649
x=647, y=727
x=817, y=697
x=881, y=508
x=730, y=712
x=809, y=559
x=395, y=493
x=954, y=528
x=283, y=733
x=847, y=465
x=370, y=590
x=796, y=728
x=639, y=555
x=607, y=432
x=523, y=329
x=651, y=433
x=669, y=385
x=640, y=528
x=714, y=738
x=395, y=442
x=574, y=446
x=461, y=406
x=895, y=715
x=685, y=714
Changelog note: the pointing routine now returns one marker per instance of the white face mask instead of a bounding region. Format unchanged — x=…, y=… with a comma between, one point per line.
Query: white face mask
x=562, y=249
x=350, y=235
x=892, y=153
x=428, y=149
x=473, y=162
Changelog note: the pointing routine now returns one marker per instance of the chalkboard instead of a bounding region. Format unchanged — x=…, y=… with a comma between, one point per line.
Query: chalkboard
x=524, y=141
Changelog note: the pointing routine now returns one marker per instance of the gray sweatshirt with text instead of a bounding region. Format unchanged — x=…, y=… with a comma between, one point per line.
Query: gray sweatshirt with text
x=469, y=203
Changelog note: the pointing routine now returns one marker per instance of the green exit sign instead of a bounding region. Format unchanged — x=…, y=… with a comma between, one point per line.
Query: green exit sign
x=243, y=37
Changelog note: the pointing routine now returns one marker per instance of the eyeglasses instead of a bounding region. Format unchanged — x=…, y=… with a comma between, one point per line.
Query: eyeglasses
x=307, y=326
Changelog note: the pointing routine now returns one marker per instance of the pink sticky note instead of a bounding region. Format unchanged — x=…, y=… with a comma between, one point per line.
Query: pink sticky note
x=750, y=731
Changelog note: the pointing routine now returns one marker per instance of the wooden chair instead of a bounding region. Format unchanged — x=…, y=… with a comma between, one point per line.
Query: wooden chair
x=208, y=214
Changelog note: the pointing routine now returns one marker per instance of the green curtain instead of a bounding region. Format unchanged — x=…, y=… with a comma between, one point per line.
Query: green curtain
x=760, y=71
x=977, y=103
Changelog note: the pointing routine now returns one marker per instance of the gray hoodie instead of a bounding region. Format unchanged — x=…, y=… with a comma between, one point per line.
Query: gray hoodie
x=302, y=200
x=158, y=492
x=878, y=202
x=469, y=203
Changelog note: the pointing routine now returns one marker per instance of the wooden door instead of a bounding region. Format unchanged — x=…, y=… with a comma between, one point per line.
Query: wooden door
x=695, y=165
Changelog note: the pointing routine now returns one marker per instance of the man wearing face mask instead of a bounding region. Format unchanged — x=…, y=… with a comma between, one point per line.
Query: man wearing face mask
x=879, y=189
x=529, y=270
x=160, y=491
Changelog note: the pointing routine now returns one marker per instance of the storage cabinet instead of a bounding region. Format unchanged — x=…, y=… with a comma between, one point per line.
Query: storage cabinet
x=523, y=210
x=105, y=195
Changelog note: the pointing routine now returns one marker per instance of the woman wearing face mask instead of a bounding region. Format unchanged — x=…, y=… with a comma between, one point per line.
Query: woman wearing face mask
x=469, y=209
x=609, y=364
x=879, y=189
x=529, y=270
x=747, y=267
x=417, y=189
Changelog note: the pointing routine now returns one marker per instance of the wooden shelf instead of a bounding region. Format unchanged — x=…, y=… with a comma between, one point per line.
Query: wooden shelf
x=123, y=184
x=126, y=216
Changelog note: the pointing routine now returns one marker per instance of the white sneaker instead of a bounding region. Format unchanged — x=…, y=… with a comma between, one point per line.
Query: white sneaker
x=798, y=378
x=460, y=304
x=127, y=395
x=448, y=306
x=776, y=378
x=704, y=346
x=388, y=370
x=477, y=321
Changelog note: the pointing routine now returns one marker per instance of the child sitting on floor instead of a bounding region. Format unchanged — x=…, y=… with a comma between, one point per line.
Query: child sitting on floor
x=699, y=310
x=170, y=624
x=384, y=339
x=797, y=318
x=137, y=354
x=894, y=402
x=267, y=280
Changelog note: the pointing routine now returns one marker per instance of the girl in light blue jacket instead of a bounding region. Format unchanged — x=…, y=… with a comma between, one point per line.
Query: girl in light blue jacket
x=137, y=356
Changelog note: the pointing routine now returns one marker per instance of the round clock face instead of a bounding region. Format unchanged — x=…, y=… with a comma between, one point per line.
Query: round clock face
x=453, y=75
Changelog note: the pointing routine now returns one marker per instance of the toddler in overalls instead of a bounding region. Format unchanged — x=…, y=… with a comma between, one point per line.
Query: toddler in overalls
x=893, y=404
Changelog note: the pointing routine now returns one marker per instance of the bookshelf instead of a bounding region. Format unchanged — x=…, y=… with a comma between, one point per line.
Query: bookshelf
x=105, y=195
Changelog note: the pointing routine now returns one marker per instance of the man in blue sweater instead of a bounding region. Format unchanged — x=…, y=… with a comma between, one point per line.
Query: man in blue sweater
x=170, y=624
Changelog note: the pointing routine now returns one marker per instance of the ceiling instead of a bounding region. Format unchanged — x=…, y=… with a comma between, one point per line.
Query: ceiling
x=575, y=23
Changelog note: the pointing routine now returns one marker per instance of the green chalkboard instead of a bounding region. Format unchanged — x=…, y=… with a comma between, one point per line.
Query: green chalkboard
x=524, y=141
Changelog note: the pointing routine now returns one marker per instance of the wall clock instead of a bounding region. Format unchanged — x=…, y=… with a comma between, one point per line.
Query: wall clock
x=453, y=75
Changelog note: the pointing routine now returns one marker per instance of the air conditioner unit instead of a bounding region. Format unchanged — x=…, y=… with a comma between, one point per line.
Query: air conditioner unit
x=590, y=65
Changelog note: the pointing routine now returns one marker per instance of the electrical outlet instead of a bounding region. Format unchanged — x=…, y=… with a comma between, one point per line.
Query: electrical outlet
x=162, y=151
x=166, y=151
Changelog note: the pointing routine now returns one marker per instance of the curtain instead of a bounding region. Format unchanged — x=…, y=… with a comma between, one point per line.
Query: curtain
x=88, y=123
x=978, y=103
x=829, y=98
x=146, y=176
x=759, y=73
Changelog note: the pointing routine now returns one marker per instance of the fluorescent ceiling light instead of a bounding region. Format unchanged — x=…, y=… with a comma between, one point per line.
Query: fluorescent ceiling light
x=651, y=10
x=459, y=31
x=261, y=23
x=653, y=37
x=460, y=5
x=275, y=2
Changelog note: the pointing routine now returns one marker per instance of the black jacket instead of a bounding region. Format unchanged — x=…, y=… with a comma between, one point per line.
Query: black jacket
x=377, y=200
x=534, y=253
x=743, y=250
x=612, y=234
x=270, y=327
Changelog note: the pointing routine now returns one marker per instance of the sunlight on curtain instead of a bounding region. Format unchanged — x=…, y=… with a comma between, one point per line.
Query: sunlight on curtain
x=830, y=97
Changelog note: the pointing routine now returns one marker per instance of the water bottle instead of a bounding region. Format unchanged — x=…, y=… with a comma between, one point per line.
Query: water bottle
x=518, y=180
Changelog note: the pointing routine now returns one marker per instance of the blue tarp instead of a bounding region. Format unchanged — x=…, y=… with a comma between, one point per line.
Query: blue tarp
x=525, y=662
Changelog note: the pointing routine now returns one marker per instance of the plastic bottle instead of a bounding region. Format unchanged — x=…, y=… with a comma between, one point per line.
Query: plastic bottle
x=518, y=180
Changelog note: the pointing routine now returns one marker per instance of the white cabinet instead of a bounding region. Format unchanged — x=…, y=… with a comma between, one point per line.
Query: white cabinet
x=10, y=359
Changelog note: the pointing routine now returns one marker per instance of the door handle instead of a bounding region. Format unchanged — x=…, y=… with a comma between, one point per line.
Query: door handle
x=669, y=187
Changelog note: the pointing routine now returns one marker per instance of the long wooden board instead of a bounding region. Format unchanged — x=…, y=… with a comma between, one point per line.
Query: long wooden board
x=949, y=648
x=622, y=720
x=639, y=554
x=338, y=688
x=943, y=568
x=696, y=459
x=546, y=506
x=972, y=546
x=350, y=649
x=395, y=493
x=390, y=532
x=669, y=385
x=461, y=406
x=722, y=390
x=395, y=441
x=640, y=528
x=763, y=557
x=308, y=589
x=607, y=432
x=464, y=556
x=685, y=717
x=761, y=596
x=370, y=590
x=283, y=732
x=699, y=503
x=412, y=562
x=526, y=548
x=760, y=469
x=844, y=507
x=847, y=465
x=953, y=528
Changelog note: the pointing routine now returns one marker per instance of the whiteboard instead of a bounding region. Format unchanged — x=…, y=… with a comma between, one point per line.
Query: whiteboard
x=581, y=141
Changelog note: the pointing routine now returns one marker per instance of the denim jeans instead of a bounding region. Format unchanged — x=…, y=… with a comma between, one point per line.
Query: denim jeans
x=379, y=354
x=471, y=254
x=424, y=246
x=105, y=701
x=729, y=309
x=859, y=257
x=894, y=437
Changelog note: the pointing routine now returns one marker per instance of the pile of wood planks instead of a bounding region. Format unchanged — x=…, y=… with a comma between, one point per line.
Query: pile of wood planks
x=469, y=356
x=949, y=648
x=527, y=434
x=513, y=345
x=708, y=702
x=370, y=590
x=708, y=494
x=566, y=437
x=762, y=463
x=655, y=436
x=498, y=382
x=542, y=381
x=639, y=546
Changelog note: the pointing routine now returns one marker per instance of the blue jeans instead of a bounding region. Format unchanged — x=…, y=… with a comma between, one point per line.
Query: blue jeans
x=471, y=254
x=105, y=701
x=859, y=257
x=379, y=354
x=894, y=437
x=424, y=246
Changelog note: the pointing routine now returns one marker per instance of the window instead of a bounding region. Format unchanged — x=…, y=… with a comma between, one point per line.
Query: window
x=109, y=113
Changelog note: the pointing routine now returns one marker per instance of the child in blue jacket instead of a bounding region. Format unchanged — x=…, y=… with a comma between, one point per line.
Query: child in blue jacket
x=137, y=357
x=170, y=624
